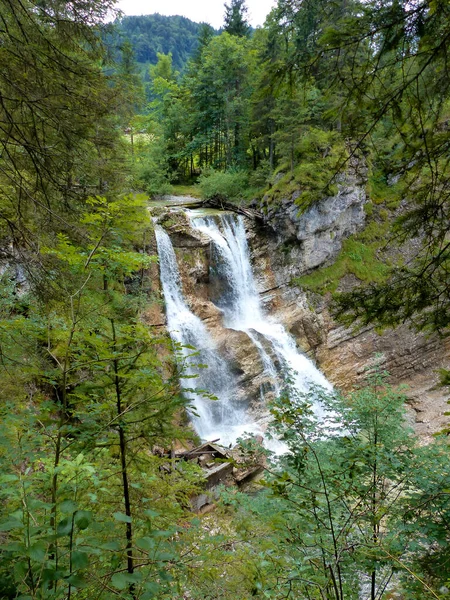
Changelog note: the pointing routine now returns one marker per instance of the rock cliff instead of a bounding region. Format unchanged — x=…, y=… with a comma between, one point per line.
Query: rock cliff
x=293, y=245
x=412, y=359
x=315, y=235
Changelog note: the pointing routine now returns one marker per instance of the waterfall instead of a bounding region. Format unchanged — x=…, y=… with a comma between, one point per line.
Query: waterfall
x=241, y=304
x=239, y=301
x=204, y=373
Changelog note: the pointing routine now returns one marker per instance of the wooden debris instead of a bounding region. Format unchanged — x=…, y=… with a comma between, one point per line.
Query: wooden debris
x=250, y=213
x=219, y=465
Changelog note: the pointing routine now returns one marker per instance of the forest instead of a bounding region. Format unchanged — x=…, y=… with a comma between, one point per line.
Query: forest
x=153, y=34
x=96, y=118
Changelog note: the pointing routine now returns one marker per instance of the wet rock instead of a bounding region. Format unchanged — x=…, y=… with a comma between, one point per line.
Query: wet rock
x=245, y=362
x=182, y=235
x=344, y=355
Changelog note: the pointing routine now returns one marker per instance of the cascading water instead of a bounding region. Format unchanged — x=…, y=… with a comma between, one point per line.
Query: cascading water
x=241, y=304
x=239, y=301
x=212, y=419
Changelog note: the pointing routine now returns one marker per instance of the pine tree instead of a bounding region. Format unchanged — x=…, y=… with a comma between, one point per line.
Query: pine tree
x=235, y=18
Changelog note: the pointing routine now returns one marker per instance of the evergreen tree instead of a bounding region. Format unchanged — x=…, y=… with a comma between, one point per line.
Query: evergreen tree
x=59, y=144
x=235, y=19
x=402, y=88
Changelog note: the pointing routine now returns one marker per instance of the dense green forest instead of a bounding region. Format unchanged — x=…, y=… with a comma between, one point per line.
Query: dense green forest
x=151, y=35
x=88, y=508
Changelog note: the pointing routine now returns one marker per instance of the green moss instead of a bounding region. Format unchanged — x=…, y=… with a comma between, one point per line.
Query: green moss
x=368, y=209
x=188, y=257
x=359, y=257
x=167, y=221
x=375, y=231
x=381, y=191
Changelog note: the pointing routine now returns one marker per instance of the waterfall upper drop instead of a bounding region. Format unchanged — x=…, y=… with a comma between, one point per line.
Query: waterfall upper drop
x=241, y=303
x=233, y=290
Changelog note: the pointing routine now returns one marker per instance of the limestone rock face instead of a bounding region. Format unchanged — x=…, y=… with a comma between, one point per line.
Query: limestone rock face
x=245, y=362
x=181, y=233
x=318, y=232
x=343, y=355
x=412, y=359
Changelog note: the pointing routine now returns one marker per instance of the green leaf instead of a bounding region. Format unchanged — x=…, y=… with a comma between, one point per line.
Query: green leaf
x=83, y=518
x=164, y=575
x=151, y=589
x=111, y=546
x=123, y=580
x=8, y=478
x=38, y=551
x=122, y=517
x=10, y=525
x=64, y=527
x=77, y=581
x=68, y=507
x=164, y=556
x=20, y=570
x=146, y=543
x=162, y=534
x=80, y=560
x=48, y=575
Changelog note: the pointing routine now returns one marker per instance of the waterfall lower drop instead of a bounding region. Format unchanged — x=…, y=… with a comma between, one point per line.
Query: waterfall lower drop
x=240, y=303
x=212, y=419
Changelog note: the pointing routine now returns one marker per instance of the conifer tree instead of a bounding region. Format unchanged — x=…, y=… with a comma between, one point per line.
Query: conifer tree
x=235, y=18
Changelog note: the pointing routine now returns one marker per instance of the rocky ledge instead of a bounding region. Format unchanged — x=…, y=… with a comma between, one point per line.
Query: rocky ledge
x=343, y=355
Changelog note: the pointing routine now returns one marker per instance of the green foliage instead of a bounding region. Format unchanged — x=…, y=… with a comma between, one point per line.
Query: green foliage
x=230, y=185
x=150, y=170
x=361, y=256
x=354, y=502
x=235, y=21
x=153, y=34
x=83, y=487
x=218, y=90
x=58, y=137
x=311, y=173
x=339, y=487
x=87, y=509
x=402, y=90
x=186, y=190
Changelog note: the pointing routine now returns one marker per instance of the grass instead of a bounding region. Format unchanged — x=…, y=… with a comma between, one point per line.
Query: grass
x=383, y=192
x=141, y=196
x=357, y=258
x=186, y=190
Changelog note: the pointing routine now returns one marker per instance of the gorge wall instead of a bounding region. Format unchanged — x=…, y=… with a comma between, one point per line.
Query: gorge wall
x=288, y=247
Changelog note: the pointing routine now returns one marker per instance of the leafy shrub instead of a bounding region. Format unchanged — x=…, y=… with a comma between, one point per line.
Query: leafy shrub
x=153, y=180
x=230, y=185
x=260, y=177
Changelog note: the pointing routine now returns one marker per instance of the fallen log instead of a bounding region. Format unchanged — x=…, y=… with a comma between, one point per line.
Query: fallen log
x=221, y=204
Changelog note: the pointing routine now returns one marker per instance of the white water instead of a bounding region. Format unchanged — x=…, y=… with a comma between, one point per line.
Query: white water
x=242, y=307
x=212, y=419
x=239, y=300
